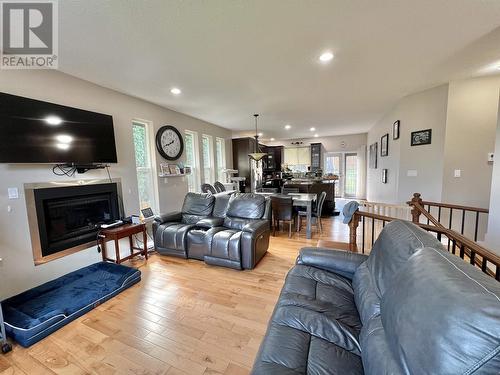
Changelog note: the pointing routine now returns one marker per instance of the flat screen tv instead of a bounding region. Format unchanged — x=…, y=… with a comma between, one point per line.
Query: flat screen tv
x=32, y=131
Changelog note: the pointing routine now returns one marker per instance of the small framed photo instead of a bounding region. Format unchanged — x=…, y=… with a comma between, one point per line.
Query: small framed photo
x=395, y=130
x=421, y=137
x=384, y=176
x=373, y=155
x=384, y=145
x=174, y=169
x=164, y=168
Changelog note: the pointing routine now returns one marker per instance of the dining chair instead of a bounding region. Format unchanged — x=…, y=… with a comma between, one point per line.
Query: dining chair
x=282, y=208
x=316, y=214
x=219, y=187
x=207, y=188
x=285, y=190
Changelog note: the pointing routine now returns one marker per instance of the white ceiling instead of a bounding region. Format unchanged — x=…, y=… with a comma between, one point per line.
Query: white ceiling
x=232, y=58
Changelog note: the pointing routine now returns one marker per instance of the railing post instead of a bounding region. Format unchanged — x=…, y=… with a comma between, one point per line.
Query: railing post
x=353, y=229
x=415, y=213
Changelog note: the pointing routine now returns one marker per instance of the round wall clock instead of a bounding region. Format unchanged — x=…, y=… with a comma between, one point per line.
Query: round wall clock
x=169, y=142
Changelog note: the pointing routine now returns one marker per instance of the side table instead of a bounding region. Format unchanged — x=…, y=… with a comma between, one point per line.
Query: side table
x=117, y=233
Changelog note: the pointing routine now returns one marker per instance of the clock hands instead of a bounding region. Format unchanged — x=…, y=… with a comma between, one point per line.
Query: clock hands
x=168, y=144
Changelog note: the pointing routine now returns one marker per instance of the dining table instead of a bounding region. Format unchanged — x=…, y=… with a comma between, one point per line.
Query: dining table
x=304, y=200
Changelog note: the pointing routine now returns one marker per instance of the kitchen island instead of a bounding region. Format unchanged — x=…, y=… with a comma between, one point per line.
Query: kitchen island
x=316, y=186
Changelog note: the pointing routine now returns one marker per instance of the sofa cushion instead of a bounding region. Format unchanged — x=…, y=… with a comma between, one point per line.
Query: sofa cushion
x=196, y=207
x=396, y=243
x=463, y=333
x=288, y=351
x=173, y=235
x=247, y=206
x=314, y=328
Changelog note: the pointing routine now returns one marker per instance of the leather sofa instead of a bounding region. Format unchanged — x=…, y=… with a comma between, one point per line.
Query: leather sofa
x=410, y=307
x=230, y=231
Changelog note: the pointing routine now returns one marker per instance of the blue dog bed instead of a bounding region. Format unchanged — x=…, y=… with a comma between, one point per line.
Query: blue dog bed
x=36, y=313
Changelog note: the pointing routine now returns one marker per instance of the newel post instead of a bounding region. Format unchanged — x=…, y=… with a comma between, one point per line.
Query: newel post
x=353, y=229
x=415, y=212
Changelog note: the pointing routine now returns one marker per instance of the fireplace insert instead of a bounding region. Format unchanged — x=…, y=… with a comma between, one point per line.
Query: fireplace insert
x=70, y=216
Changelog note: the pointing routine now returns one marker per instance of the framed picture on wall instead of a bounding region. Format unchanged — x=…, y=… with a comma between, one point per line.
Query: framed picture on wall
x=395, y=130
x=421, y=137
x=384, y=145
x=384, y=176
x=373, y=155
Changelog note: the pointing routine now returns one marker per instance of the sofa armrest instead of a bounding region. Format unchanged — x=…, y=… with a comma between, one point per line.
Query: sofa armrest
x=168, y=217
x=341, y=262
x=210, y=222
x=256, y=227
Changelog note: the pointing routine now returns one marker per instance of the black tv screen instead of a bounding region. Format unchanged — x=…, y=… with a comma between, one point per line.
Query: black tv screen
x=32, y=131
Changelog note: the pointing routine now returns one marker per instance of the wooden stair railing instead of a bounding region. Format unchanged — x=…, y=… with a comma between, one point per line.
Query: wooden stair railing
x=465, y=248
x=446, y=208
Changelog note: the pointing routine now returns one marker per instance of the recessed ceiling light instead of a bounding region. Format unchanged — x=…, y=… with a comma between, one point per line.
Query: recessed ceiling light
x=288, y=126
x=175, y=91
x=260, y=134
x=53, y=120
x=316, y=136
x=272, y=139
x=326, y=56
x=63, y=138
x=312, y=129
x=63, y=146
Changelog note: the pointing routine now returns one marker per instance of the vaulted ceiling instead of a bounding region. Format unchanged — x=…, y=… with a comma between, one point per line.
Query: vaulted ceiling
x=232, y=58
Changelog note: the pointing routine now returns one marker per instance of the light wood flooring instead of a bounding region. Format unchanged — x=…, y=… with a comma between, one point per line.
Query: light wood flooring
x=184, y=317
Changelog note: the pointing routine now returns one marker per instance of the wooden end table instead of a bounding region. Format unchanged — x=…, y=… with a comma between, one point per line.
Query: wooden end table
x=115, y=234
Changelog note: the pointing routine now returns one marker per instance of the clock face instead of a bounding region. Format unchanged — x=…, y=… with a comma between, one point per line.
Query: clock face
x=169, y=142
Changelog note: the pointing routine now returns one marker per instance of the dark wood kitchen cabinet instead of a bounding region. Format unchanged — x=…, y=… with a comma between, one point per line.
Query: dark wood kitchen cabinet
x=315, y=156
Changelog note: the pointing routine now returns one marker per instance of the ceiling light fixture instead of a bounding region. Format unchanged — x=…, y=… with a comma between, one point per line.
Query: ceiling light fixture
x=272, y=139
x=260, y=134
x=175, y=91
x=325, y=57
x=312, y=129
x=256, y=155
x=316, y=135
x=287, y=126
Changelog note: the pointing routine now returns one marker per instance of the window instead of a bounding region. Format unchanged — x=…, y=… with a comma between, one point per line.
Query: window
x=351, y=175
x=208, y=156
x=144, y=165
x=220, y=152
x=332, y=165
x=192, y=160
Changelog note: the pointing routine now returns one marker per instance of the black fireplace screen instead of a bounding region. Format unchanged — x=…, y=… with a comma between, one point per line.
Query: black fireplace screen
x=70, y=216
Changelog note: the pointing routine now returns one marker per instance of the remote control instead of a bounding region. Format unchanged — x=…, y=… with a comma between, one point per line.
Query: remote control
x=115, y=224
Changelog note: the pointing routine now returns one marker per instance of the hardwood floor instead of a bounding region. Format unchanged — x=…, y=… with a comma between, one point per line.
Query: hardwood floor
x=184, y=317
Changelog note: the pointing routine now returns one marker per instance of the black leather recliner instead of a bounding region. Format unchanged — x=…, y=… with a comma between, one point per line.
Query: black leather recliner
x=170, y=230
x=226, y=231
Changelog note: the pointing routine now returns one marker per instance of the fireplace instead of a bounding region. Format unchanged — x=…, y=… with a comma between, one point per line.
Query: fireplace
x=65, y=219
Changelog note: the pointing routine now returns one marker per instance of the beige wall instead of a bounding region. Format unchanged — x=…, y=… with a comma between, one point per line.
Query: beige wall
x=492, y=239
x=17, y=271
x=470, y=135
x=419, y=111
x=341, y=143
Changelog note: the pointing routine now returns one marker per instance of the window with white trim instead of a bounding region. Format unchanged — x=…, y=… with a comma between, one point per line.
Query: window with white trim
x=220, y=152
x=208, y=159
x=192, y=160
x=144, y=164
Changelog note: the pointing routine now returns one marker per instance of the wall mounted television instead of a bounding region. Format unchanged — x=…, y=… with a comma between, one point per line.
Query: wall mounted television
x=33, y=131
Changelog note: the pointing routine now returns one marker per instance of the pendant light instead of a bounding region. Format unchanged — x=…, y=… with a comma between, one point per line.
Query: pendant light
x=256, y=155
